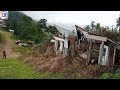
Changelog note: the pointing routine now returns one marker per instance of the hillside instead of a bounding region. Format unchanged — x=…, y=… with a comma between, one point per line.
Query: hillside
x=41, y=55
x=15, y=21
x=27, y=28
x=13, y=67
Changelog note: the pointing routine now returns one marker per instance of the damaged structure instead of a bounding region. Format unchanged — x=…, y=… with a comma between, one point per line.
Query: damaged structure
x=99, y=50
x=60, y=43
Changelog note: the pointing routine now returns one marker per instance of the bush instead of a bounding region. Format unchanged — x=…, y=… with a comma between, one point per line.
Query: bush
x=117, y=71
x=117, y=74
x=107, y=76
x=111, y=76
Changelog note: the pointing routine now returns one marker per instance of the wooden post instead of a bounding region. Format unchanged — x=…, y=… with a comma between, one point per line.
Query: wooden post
x=89, y=52
x=101, y=53
x=56, y=46
x=79, y=41
x=114, y=56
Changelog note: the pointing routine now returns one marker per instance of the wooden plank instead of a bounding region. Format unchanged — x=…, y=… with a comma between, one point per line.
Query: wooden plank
x=101, y=53
x=100, y=38
x=56, y=46
x=96, y=37
x=113, y=41
x=114, y=56
x=95, y=50
x=79, y=41
x=59, y=39
x=52, y=41
x=89, y=52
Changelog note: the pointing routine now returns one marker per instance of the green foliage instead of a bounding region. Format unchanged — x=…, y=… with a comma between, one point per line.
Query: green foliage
x=117, y=71
x=14, y=37
x=52, y=29
x=53, y=76
x=117, y=74
x=87, y=28
x=42, y=23
x=20, y=49
x=111, y=76
x=14, y=69
x=0, y=37
x=27, y=29
x=107, y=76
x=105, y=31
x=118, y=23
x=98, y=26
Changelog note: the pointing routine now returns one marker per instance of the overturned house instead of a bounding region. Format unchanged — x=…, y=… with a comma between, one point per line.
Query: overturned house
x=100, y=50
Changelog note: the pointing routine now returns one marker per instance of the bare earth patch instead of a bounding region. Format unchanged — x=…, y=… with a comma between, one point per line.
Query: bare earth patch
x=8, y=44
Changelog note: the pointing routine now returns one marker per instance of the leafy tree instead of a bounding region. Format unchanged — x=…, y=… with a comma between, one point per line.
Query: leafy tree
x=28, y=29
x=98, y=27
x=52, y=29
x=40, y=27
x=118, y=23
x=87, y=28
x=93, y=26
x=27, y=20
x=42, y=23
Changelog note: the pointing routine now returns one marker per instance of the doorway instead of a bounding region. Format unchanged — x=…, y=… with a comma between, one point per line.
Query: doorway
x=117, y=57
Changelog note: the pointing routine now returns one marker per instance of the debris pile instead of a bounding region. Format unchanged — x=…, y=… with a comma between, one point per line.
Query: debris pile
x=46, y=61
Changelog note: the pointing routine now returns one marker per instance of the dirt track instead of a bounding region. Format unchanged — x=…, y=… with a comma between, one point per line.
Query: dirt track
x=7, y=45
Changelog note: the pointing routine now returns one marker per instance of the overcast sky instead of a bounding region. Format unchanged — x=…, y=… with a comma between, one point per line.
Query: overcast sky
x=106, y=18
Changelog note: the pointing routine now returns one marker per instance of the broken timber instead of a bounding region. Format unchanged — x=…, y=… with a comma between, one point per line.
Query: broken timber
x=95, y=50
x=89, y=52
x=101, y=53
x=114, y=56
x=96, y=37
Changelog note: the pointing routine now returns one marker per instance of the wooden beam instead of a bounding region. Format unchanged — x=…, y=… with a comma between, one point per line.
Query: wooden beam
x=59, y=39
x=95, y=50
x=114, y=56
x=101, y=53
x=112, y=41
x=94, y=37
x=89, y=53
x=79, y=41
x=56, y=46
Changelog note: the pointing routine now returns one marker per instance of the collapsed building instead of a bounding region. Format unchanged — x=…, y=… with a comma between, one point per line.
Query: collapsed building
x=61, y=43
x=99, y=50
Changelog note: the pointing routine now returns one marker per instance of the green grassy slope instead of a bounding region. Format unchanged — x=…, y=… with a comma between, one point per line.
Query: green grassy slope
x=15, y=69
x=12, y=68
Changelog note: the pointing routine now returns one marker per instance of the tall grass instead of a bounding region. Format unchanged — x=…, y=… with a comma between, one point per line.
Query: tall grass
x=15, y=69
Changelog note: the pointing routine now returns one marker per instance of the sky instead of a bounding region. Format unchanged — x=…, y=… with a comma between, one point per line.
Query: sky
x=71, y=18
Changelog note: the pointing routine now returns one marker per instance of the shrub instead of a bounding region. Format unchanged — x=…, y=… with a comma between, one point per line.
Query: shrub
x=117, y=74
x=117, y=71
x=107, y=76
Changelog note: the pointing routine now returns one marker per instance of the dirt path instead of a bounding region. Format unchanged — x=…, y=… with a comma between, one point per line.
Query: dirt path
x=8, y=45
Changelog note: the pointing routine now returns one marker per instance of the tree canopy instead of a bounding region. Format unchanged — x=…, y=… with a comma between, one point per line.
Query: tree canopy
x=28, y=29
